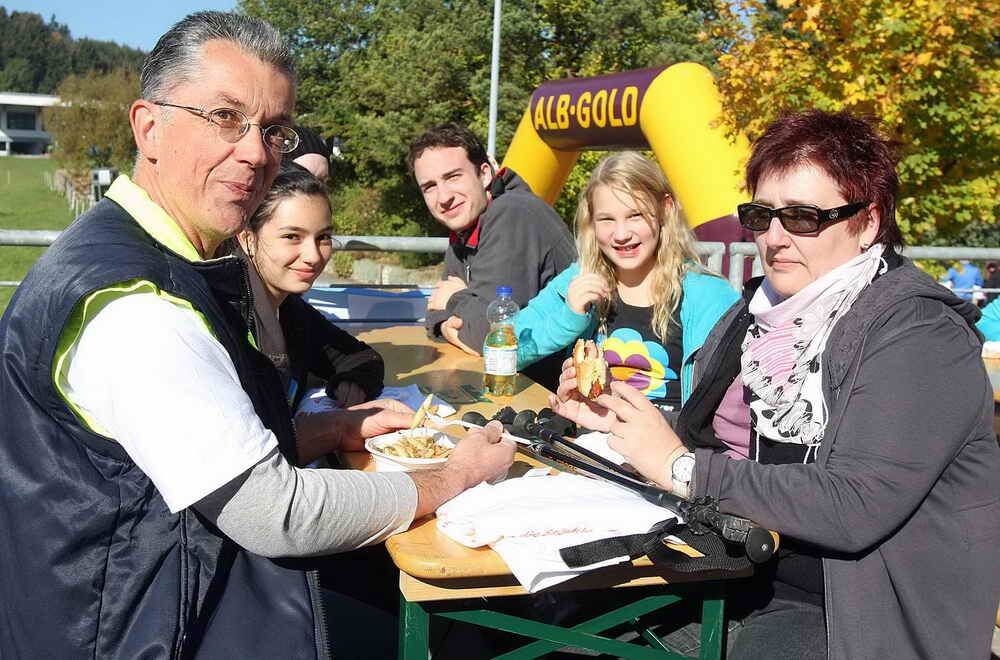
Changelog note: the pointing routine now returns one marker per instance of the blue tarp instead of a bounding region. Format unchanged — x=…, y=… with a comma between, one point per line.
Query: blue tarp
x=349, y=305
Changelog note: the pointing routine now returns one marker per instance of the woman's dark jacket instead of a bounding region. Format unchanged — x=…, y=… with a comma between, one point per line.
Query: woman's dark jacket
x=320, y=351
x=903, y=499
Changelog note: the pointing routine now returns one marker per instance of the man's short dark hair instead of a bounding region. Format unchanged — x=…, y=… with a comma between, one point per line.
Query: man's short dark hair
x=449, y=135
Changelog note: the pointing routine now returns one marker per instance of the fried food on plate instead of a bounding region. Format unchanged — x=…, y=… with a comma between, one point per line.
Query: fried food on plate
x=421, y=414
x=417, y=447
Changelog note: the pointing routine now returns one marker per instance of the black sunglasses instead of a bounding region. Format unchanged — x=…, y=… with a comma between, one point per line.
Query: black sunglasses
x=797, y=219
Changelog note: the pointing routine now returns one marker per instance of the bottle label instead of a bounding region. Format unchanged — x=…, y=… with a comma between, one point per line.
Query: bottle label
x=500, y=361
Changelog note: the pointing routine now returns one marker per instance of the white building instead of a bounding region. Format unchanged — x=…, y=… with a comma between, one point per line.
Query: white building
x=21, y=130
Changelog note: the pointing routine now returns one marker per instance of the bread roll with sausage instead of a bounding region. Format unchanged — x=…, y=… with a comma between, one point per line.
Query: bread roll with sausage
x=591, y=369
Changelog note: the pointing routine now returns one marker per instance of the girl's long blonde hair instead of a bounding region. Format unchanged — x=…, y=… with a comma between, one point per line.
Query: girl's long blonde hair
x=634, y=175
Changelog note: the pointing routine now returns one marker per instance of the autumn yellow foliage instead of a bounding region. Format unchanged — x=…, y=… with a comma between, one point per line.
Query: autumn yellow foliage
x=927, y=68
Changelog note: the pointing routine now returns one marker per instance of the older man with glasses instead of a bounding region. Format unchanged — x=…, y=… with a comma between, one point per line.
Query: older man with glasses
x=151, y=503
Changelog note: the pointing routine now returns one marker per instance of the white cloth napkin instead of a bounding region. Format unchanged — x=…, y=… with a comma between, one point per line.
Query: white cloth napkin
x=527, y=520
x=316, y=400
x=597, y=442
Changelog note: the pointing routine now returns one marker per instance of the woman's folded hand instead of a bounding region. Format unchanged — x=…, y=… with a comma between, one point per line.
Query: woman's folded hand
x=639, y=432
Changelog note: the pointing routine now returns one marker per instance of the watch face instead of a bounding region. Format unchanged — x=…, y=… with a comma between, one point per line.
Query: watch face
x=683, y=468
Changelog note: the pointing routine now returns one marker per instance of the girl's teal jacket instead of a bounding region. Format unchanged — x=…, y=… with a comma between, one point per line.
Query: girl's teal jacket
x=989, y=323
x=548, y=325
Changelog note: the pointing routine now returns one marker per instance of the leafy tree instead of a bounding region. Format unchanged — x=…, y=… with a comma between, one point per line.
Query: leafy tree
x=16, y=74
x=587, y=38
x=35, y=55
x=91, y=128
x=378, y=72
x=927, y=68
x=26, y=45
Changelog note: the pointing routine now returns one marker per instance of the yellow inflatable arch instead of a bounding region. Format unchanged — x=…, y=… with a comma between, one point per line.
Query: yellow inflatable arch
x=674, y=111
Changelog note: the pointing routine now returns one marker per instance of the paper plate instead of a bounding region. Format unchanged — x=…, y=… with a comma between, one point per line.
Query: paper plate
x=387, y=463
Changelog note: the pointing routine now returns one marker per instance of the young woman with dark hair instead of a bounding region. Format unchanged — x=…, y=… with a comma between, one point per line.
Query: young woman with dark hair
x=287, y=244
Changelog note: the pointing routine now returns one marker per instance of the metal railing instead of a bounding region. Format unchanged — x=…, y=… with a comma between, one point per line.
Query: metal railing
x=37, y=237
x=713, y=253
x=739, y=252
x=432, y=244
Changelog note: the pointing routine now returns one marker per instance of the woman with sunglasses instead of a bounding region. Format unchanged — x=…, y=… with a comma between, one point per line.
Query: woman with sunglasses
x=871, y=442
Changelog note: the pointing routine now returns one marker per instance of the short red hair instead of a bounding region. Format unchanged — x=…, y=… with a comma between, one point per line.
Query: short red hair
x=849, y=149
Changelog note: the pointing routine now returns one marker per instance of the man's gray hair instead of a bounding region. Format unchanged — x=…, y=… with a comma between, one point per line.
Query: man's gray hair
x=176, y=57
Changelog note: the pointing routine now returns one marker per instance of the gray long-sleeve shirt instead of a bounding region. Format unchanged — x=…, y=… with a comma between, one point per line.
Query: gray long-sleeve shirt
x=277, y=510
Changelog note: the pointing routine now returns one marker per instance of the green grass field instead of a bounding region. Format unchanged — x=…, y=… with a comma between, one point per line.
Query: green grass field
x=26, y=203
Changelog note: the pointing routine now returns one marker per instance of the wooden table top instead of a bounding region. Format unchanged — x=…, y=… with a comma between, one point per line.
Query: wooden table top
x=411, y=358
x=433, y=567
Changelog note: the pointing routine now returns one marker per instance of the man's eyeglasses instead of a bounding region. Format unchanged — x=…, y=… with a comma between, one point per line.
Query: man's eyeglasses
x=798, y=219
x=233, y=125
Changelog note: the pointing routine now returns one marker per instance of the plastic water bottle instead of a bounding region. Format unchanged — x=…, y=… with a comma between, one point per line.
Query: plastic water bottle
x=500, y=347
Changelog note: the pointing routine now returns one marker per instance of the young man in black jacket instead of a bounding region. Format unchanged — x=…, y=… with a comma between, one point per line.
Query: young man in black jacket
x=501, y=235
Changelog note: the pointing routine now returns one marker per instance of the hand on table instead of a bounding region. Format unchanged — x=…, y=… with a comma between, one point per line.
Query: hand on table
x=443, y=291
x=482, y=455
x=449, y=330
x=349, y=394
x=585, y=289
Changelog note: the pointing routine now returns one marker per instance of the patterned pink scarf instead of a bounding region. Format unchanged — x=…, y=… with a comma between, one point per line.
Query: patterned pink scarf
x=782, y=350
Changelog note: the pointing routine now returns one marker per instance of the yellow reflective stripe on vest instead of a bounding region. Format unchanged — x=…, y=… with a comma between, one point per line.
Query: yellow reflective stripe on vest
x=151, y=217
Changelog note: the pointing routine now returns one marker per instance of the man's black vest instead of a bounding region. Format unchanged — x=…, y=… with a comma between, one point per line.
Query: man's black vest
x=93, y=562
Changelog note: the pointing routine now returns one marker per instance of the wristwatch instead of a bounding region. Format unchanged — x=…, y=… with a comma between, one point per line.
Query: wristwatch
x=682, y=475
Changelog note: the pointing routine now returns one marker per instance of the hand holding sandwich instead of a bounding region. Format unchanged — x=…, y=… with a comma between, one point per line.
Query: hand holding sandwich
x=638, y=430
x=640, y=433
x=583, y=378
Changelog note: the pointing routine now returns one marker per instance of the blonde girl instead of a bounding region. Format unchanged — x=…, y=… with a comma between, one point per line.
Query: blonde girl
x=638, y=288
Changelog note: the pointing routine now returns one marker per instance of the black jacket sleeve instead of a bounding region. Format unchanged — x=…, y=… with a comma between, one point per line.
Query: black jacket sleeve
x=320, y=348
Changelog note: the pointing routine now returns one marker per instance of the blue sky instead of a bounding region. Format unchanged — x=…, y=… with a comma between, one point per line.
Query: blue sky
x=136, y=23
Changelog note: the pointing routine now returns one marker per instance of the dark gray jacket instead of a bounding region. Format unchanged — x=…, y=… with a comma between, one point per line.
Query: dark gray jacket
x=904, y=497
x=522, y=243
